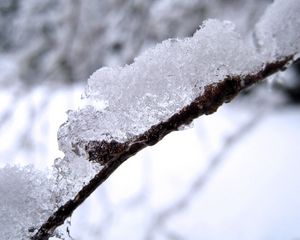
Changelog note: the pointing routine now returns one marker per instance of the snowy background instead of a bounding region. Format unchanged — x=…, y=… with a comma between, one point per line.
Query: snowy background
x=232, y=175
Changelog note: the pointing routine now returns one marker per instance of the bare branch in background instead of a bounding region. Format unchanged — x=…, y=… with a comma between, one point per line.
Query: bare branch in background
x=201, y=181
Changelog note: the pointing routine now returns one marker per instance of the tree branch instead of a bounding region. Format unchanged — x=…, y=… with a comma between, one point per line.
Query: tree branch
x=112, y=154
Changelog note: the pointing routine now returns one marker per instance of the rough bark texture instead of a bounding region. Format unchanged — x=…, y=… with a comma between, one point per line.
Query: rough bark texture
x=112, y=154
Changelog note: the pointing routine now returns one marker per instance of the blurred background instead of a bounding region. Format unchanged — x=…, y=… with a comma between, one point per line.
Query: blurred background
x=232, y=175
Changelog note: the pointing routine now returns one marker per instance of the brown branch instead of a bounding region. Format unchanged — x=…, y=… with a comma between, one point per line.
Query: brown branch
x=112, y=154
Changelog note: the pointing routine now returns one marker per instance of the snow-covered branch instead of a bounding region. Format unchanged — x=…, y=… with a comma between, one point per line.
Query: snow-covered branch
x=127, y=109
x=112, y=154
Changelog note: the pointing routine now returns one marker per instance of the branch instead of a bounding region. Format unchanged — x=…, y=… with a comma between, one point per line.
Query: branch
x=213, y=51
x=112, y=154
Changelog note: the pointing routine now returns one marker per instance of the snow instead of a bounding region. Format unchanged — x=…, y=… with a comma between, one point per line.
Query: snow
x=27, y=200
x=278, y=32
x=29, y=196
x=158, y=84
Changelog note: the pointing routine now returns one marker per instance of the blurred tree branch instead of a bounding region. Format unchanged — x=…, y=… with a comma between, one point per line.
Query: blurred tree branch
x=200, y=181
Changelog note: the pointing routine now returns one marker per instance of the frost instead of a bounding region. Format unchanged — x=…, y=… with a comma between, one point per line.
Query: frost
x=156, y=85
x=278, y=32
x=26, y=201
